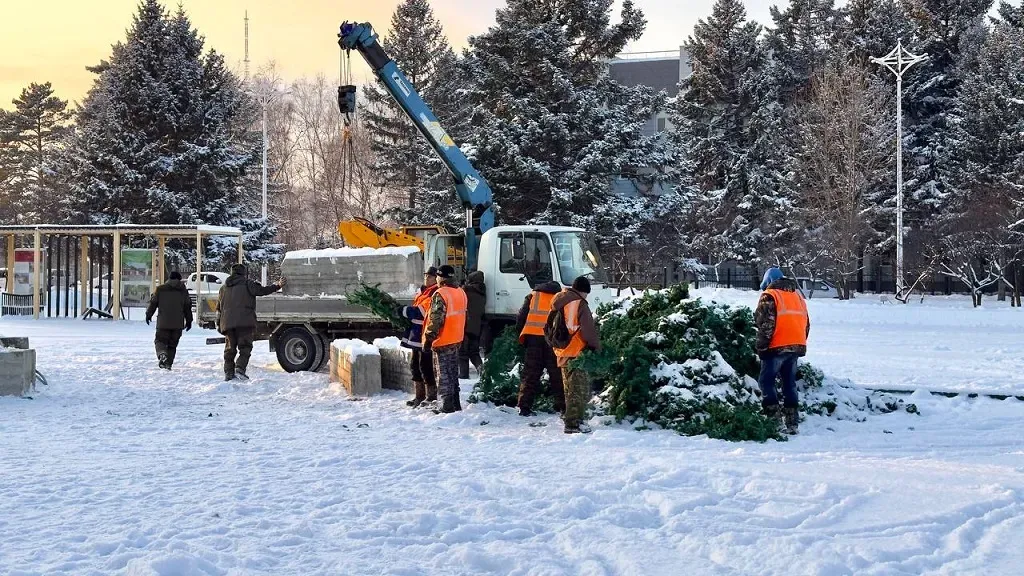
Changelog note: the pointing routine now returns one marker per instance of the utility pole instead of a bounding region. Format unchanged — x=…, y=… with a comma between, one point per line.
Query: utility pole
x=898, y=61
x=264, y=100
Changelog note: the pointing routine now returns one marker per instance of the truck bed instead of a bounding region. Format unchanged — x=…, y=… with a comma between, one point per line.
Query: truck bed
x=297, y=309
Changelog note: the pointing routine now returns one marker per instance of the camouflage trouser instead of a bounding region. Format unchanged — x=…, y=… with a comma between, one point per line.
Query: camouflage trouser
x=540, y=357
x=238, y=341
x=446, y=367
x=577, y=396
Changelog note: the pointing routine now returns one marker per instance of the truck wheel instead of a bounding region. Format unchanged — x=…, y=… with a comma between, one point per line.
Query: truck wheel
x=298, y=350
x=326, y=342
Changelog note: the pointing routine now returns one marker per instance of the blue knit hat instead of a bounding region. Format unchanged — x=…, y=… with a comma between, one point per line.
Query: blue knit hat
x=770, y=276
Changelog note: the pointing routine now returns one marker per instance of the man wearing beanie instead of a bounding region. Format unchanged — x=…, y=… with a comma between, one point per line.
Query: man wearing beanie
x=572, y=302
x=783, y=326
x=443, y=334
x=174, y=306
x=236, y=318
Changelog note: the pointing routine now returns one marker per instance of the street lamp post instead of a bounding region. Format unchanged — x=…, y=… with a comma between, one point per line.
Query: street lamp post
x=264, y=100
x=898, y=61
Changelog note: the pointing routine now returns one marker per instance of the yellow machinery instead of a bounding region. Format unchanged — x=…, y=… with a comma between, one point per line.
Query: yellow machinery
x=361, y=233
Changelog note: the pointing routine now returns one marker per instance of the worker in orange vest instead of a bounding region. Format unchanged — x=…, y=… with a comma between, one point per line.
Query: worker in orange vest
x=584, y=336
x=422, y=364
x=782, y=329
x=445, y=329
x=539, y=356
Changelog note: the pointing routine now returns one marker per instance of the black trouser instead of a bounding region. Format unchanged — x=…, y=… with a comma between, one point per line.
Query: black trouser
x=470, y=354
x=423, y=371
x=167, y=343
x=540, y=357
x=238, y=341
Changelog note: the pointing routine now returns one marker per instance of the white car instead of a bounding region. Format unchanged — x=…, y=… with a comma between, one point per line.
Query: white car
x=817, y=288
x=211, y=283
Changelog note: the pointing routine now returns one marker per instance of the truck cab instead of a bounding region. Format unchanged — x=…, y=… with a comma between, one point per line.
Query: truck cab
x=516, y=258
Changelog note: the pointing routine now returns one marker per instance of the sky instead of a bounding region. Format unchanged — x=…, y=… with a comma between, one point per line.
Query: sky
x=54, y=40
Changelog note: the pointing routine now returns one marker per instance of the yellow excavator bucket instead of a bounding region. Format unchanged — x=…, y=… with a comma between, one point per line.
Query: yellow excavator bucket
x=361, y=233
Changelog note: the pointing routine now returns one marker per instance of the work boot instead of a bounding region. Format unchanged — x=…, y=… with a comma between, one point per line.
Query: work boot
x=229, y=376
x=792, y=420
x=525, y=412
x=420, y=391
x=431, y=392
x=458, y=399
x=164, y=363
x=773, y=413
x=577, y=428
x=241, y=375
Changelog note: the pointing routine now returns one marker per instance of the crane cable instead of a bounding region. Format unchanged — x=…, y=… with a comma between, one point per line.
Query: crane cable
x=347, y=150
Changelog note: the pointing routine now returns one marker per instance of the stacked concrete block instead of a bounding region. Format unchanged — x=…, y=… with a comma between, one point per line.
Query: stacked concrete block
x=398, y=271
x=17, y=367
x=356, y=366
x=396, y=373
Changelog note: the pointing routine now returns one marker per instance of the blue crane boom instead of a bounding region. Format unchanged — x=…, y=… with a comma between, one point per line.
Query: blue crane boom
x=473, y=190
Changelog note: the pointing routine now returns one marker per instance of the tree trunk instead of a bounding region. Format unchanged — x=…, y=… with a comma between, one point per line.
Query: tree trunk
x=1002, y=288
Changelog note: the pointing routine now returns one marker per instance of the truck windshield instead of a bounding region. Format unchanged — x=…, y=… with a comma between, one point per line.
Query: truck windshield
x=577, y=255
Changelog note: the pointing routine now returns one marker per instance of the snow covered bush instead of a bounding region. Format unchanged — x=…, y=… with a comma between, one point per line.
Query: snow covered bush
x=690, y=366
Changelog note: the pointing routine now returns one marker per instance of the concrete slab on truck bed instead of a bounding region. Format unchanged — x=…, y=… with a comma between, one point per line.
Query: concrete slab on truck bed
x=398, y=271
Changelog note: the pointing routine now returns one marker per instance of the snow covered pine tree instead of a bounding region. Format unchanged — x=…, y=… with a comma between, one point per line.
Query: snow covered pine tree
x=162, y=136
x=551, y=129
x=404, y=161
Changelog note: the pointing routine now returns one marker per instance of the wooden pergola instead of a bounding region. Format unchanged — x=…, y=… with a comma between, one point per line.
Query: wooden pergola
x=161, y=232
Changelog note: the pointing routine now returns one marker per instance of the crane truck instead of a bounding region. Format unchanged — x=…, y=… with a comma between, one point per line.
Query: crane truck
x=512, y=258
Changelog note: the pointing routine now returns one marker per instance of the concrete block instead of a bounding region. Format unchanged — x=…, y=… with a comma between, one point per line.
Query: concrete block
x=17, y=371
x=396, y=373
x=19, y=343
x=355, y=366
x=340, y=272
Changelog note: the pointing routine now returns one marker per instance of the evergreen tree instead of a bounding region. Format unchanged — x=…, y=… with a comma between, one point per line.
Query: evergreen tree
x=873, y=27
x=551, y=129
x=730, y=127
x=930, y=92
x=986, y=148
x=163, y=136
x=8, y=169
x=803, y=40
x=403, y=160
x=30, y=137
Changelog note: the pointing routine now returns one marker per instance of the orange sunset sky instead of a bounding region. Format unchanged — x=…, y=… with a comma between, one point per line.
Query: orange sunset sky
x=54, y=40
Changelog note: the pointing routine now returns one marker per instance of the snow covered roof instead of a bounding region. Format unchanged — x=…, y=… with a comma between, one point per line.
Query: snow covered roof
x=167, y=230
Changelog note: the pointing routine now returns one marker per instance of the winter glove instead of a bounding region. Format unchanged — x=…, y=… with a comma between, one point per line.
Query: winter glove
x=148, y=320
x=188, y=327
x=281, y=283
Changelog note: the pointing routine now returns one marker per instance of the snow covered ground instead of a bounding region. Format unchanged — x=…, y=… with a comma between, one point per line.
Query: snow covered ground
x=118, y=468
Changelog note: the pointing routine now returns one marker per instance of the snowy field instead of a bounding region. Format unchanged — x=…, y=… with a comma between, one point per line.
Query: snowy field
x=118, y=468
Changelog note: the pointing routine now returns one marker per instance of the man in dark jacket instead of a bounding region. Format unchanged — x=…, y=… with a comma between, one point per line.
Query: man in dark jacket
x=172, y=302
x=476, y=294
x=539, y=356
x=236, y=318
x=783, y=326
x=580, y=323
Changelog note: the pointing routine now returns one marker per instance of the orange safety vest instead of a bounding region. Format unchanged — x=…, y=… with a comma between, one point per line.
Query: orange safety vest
x=540, y=307
x=571, y=312
x=454, y=329
x=790, y=319
x=422, y=301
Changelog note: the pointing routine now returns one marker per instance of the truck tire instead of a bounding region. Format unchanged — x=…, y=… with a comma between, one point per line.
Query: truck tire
x=298, y=350
x=326, y=341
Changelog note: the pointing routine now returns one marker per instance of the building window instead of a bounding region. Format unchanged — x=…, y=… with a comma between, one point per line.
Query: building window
x=661, y=124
